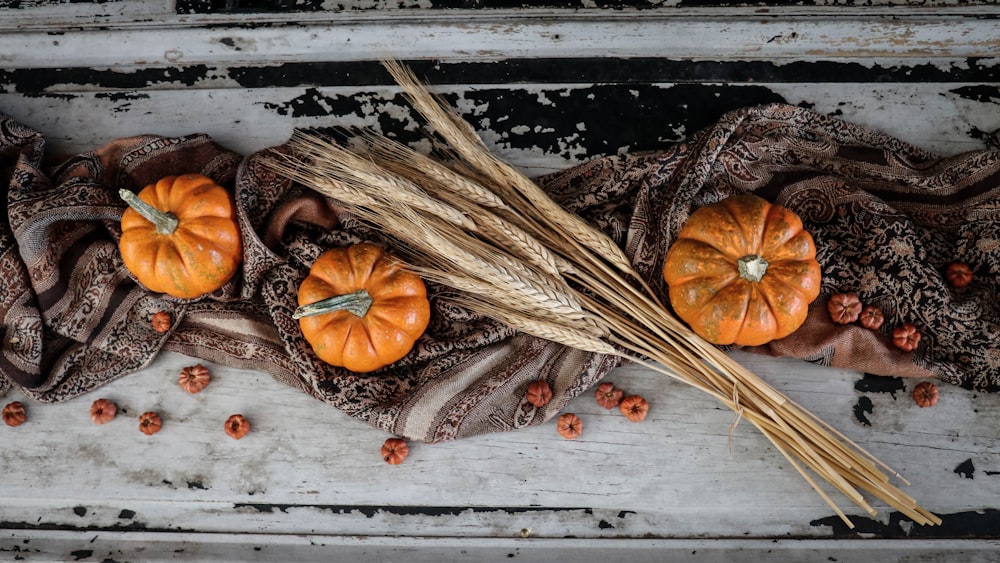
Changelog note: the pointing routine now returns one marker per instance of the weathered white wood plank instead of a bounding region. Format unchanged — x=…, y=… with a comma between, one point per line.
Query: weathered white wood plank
x=932, y=116
x=307, y=468
x=498, y=34
x=153, y=548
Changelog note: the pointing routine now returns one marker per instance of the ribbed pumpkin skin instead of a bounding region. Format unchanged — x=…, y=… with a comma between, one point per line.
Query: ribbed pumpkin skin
x=706, y=289
x=398, y=316
x=201, y=255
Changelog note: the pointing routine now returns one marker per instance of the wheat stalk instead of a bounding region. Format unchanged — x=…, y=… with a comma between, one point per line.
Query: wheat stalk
x=480, y=227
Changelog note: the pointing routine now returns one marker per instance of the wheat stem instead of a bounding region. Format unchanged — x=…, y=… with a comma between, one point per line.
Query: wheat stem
x=480, y=227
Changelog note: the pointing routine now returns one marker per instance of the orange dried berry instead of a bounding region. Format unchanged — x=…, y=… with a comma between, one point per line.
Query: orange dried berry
x=871, y=317
x=103, y=411
x=237, y=426
x=958, y=274
x=844, y=308
x=395, y=450
x=569, y=426
x=906, y=337
x=539, y=393
x=194, y=378
x=635, y=408
x=608, y=396
x=14, y=414
x=925, y=394
x=150, y=423
x=161, y=321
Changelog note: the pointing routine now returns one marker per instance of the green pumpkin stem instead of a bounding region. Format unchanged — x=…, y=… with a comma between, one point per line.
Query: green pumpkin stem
x=357, y=302
x=164, y=221
x=752, y=267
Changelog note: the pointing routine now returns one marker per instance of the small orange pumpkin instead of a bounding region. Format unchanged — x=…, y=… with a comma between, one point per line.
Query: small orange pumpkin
x=237, y=426
x=14, y=414
x=162, y=321
x=844, y=308
x=925, y=394
x=742, y=271
x=103, y=411
x=872, y=317
x=608, y=396
x=180, y=236
x=958, y=274
x=569, y=426
x=539, y=393
x=906, y=337
x=150, y=423
x=360, y=308
x=395, y=450
x=194, y=378
x=635, y=408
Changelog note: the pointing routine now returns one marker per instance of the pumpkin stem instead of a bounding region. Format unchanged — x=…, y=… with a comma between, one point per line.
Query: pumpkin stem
x=357, y=302
x=752, y=267
x=165, y=222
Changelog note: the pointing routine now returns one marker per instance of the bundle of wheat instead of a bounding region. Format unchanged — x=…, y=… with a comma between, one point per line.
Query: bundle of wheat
x=474, y=223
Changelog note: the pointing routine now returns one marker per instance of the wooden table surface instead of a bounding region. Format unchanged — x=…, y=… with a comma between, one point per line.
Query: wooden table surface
x=547, y=90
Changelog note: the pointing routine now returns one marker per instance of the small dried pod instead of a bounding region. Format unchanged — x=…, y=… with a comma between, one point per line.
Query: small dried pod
x=635, y=408
x=103, y=411
x=539, y=393
x=844, y=308
x=569, y=426
x=958, y=274
x=906, y=337
x=871, y=317
x=14, y=414
x=150, y=423
x=237, y=426
x=608, y=396
x=194, y=378
x=925, y=394
x=161, y=321
x=395, y=450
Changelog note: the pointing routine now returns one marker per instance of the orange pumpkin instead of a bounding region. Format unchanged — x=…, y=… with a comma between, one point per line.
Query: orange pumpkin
x=360, y=308
x=742, y=271
x=395, y=450
x=180, y=236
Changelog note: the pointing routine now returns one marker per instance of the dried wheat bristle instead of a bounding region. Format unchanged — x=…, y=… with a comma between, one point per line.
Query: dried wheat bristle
x=483, y=229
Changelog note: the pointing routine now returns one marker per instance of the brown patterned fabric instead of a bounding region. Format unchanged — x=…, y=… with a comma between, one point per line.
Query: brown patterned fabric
x=886, y=217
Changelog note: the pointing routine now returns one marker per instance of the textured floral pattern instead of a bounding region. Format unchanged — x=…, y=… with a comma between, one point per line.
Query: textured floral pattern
x=887, y=218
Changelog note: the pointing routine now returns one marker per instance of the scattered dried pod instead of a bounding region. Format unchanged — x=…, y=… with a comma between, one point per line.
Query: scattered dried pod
x=958, y=274
x=844, y=308
x=194, y=378
x=635, y=408
x=539, y=393
x=871, y=317
x=906, y=337
x=150, y=423
x=237, y=426
x=161, y=321
x=569, y=425
x=608, y=396
x=14, y=414
x=395, y=450
x=925, y=394
x=103, y=411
